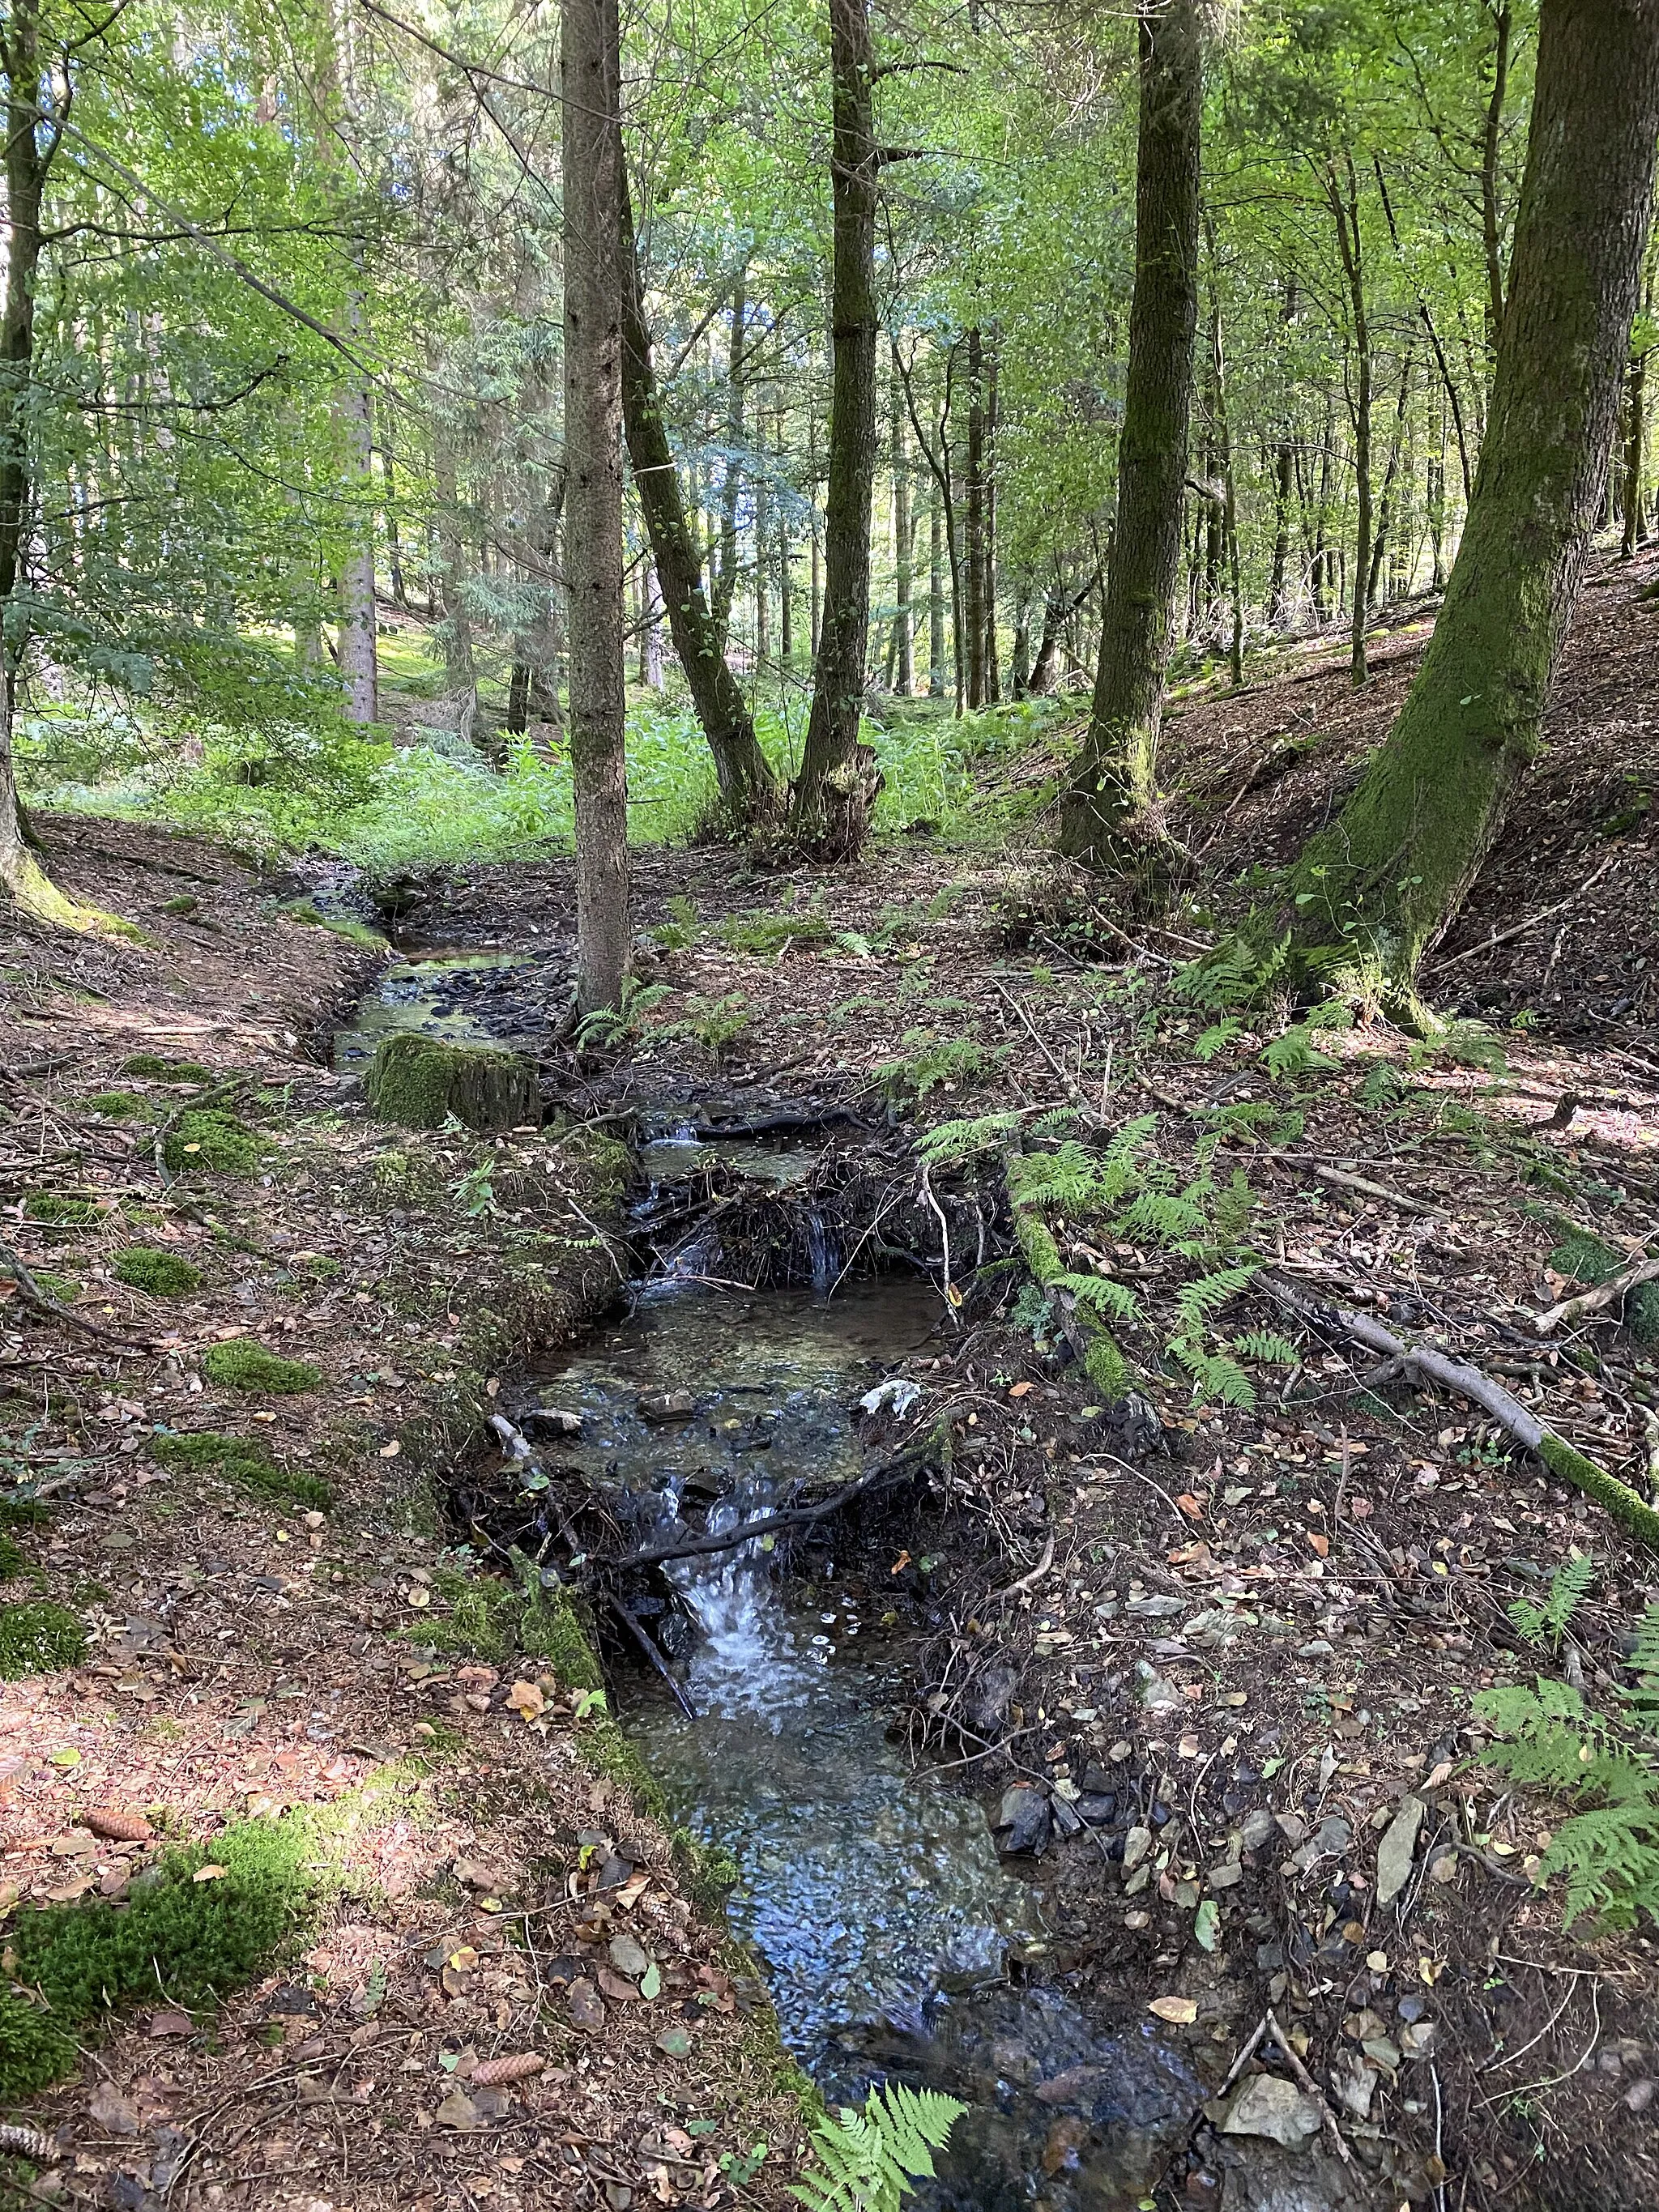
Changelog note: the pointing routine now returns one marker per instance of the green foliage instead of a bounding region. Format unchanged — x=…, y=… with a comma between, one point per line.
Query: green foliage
x=12, y=1562
x=1267, y=1347
x=57, y=1209
x=930, y=1060
x=715, y=1023
x=1102, y=1292
x=209, y=1137
x=949, y=1144
x=610, y=1026
x=1215, y=1374
x=1294, y=1053
x=1547, y=1623
x=120, y=1105
x=188, y=1941
x=38, y=1637
x=1384, y=1085
x=162, y=1275
x=871, y=2160
x=159, y=1069
x=1218, y=1037
x=680, y=932
x=240, y=1460
x=242, y=1365
x=772, y=932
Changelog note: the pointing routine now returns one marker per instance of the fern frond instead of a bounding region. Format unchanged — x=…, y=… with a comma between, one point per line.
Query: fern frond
x=1052, y=1122
x=1163, y=1214
x=1102, y=1293
x=1218, y=1037
x=952, y=1142
x=1267, y=1346
x=1215, y=1374
x=1198, y=1302
x=871, y=2158
x=1296, y=1052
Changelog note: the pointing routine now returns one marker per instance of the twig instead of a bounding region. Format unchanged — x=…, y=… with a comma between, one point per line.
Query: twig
x=1030, y=1580
x=1344, y=1182
x=32, y=1294
x=1066, y=1082
x=1546, y=914
x=1587, y=1302
x=945, y=1243
x=1310, y=2085
x=695, y=1547
x=647, y=1643
x=1247, y=2052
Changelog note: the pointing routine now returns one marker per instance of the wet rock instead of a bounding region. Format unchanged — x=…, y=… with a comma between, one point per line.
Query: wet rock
x=628, y=1956
x=1256, y=1829
x=1023, y=1821
x=1096, y=1779
x=1395, y=1852
x=1224, y=1877
x=550, y=1421
x=1154, y=1691
x=992, y=1695
x=1269, y=2105
x=1335, y=1836
x=1068, y=1821
x=1097, y=1806
x=1156, y=1608
x=666, y=1405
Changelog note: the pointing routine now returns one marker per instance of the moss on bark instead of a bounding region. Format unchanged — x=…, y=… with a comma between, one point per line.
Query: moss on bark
x=419, y=1083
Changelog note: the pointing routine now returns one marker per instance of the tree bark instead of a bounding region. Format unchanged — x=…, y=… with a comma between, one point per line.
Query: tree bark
x=749, y=791
x=1491, y=144
x=359, y=651
x=993, y=662
x=1342, y=197
x=974, y=518
x=726, y=573
x=830, y=803
x=936, y=595
x=592, y=223
x=904, y=675
x=1107, y=811
x=1374, y=893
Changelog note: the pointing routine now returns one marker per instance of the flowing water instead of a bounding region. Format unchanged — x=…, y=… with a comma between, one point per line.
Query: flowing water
x=893, y=1938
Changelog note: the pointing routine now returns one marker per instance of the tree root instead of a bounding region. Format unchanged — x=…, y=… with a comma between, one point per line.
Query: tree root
x=34, y=893
x=1562, y=1459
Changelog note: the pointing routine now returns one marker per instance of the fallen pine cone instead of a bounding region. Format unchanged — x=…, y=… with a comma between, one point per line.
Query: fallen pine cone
x=119, y=1827
x=496, y=2073
x=29, y=2142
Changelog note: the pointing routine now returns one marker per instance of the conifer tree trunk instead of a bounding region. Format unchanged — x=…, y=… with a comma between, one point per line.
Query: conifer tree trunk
x=1107, y=815
x=1374, y=893
x=973, y=619
x=749, y=790
x=594, y=210
x=904, y=658
x=830, y=803
x=936, y=595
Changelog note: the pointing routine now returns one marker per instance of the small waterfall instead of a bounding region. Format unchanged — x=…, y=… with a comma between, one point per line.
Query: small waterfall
x=823, y=1251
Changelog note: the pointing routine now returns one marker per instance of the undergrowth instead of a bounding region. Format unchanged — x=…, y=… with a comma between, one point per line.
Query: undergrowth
x=870, y=2160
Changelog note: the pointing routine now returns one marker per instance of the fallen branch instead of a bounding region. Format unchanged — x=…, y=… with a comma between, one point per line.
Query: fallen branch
x=1067, y=1083
x=1342, y=1181
x=32, y=1295
x=1545, y=913
x=647, y=1643
x=765, y=1524
x=1610, y=1293
x=1310, y=2085
x=1029, y=1581
x=1516, y=1420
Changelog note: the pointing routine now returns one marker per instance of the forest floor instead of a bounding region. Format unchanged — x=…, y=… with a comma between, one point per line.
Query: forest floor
x=1251, y=1633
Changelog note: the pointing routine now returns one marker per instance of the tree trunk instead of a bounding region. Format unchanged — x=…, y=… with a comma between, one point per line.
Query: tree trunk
x=1108, y=811
x=725, y=574
x=594, y=215
x=993, y=663
x=749, y=790
x=830, y=802
x=904, y=674
x=359, y=654
x=394, y=540
x=1372, y=894
x=1224, y=454
x=1490, y=227
x=1385, y=506
x=1342, y=196
x=974, y=606
x=936, y=595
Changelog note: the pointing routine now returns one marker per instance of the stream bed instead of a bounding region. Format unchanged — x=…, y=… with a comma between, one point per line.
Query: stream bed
x=893, y=1937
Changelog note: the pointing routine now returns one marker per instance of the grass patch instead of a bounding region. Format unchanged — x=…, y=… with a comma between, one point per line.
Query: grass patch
x=339, y=925
x=240, y=1365
x=157, y=1068
x=191, y=1942
x=162, y=1275
x=38, y=1637
x=1587, y=1259
x=209, y=1137
x=239, y=1460
x=57, y=1210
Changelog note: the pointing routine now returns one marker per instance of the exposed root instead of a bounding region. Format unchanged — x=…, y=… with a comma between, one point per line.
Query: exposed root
x=34, y=893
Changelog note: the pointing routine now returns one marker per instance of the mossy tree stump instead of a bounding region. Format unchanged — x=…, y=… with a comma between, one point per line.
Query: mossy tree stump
x=419, y=1083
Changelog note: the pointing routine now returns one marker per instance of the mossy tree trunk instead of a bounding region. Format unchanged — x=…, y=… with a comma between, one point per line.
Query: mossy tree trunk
x=829, y=805
x=749, y=791
x=592, y=164
x=1374, y=892
x=1110, y=806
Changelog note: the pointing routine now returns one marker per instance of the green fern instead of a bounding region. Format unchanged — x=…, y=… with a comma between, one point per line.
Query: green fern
x=1266, y=1346
x=1215, y=1374
x=608, y=1025
x=952, y=1142
x=1054, y=1122
x=1199, y=1303
x=1165, y=1214
x=1296, y=1052
x=871, y=2160
x=1233, y=1209
x=1218, y=1037
x=1547, y=1623
x=1101, y=1292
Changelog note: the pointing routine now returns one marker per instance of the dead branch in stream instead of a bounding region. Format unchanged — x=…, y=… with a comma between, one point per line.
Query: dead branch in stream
x=765, y=1524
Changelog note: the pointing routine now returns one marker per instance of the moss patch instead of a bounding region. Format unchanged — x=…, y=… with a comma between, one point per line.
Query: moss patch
x=1587, y=1259
x=12, y=1562
x=339, y=925
x=187, y=1940
x=420, y=1082
x=208, y=1137
x=239, y=1459
x=157, y=1068
x=39, y=1638
x=59, y=1210
x=61, y=1287
x=119, y=1105
x=185, y=903
x=240, y=1365
x=163, y=1275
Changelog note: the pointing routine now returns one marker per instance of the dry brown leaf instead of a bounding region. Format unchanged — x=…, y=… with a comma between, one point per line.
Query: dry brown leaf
x=1180, y=2011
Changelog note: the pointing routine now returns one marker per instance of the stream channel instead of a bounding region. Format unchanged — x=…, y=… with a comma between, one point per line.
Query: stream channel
x=893, y=1938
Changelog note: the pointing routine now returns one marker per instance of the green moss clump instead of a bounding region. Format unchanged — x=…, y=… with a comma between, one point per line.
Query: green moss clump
x=119, y=1105
x=240, y=1460
x=163, y=1275
x=23, y=1513
x=208, y=1137
x=418, y=1082
x=61, y=1287
x=12, y=1562
x=60, y=1211
x=551, y=1631
x=157, y=1068
x=185, y=903
x=240, y=1365
x=707, y=1874
x=38, y=1637
x=191, y=1942
x=1587, y=1259
x=406, y=1177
